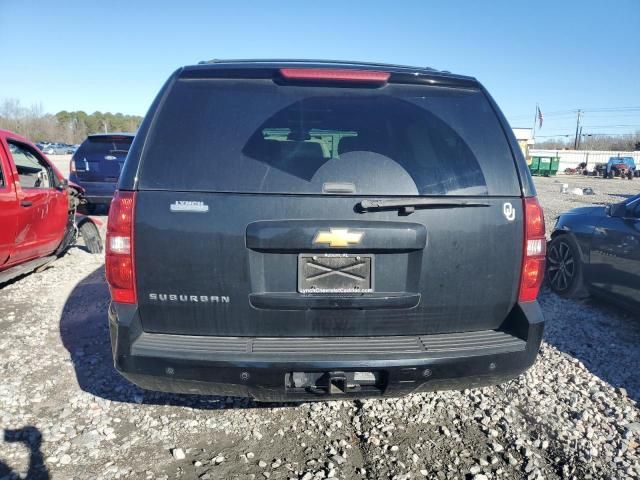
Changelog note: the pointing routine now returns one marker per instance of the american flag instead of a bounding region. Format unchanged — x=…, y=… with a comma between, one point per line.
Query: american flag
x=540, y=116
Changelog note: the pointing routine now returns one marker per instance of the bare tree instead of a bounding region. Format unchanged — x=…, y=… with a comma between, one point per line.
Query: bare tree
x=64, y=126
x=623, y=143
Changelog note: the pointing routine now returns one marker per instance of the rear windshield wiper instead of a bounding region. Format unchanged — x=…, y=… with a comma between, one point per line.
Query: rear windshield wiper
x=408, y=205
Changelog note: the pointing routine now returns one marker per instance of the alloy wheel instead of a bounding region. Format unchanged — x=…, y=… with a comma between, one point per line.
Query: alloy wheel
x=561, y=267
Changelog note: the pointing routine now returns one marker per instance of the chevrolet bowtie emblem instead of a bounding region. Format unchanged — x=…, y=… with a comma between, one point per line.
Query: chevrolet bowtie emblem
x=338, y=237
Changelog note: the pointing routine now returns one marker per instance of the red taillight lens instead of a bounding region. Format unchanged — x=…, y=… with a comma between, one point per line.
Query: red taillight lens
x=335, y=75
x=533, y=255
x=119, y=250
x=72, y=166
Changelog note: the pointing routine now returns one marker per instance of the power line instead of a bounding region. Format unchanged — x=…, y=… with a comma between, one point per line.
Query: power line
x=567, y=134
x=612, y=126
x=575, y=110
x=548, y=114
x=613, y=114
x=592, y=134
x=613, y=109
x=596, y=134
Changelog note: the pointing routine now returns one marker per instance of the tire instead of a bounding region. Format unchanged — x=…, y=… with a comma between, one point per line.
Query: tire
x=67, y=239
x=564, y=267
x=91, y=237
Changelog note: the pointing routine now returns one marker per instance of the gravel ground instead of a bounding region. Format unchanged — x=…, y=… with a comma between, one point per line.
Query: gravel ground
x=67, y=414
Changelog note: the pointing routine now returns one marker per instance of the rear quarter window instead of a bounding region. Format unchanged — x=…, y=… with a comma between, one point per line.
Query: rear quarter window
x=254, y=136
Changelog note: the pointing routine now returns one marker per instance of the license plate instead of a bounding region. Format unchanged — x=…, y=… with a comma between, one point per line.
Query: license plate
x=335, y=273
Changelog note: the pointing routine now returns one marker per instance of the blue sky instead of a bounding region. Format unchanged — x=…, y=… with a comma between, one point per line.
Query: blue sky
x=114, y=56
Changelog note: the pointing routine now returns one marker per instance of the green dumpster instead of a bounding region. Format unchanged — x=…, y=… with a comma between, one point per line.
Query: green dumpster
x=545, y=166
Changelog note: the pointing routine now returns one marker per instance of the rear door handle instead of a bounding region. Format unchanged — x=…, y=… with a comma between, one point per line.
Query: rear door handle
x=25, y=203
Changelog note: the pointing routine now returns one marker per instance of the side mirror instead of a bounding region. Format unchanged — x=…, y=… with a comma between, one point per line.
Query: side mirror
x=617, y=210
x=63, y=183
x=626, y=211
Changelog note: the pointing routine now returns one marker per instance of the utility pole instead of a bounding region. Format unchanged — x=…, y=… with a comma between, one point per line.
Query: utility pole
x=579, y=138
x=575, y=142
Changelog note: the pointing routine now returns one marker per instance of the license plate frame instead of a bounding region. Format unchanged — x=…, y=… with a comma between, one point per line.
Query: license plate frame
x=335, y=273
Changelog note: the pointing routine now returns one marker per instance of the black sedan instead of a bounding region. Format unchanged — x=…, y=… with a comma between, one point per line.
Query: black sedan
x=597, y=250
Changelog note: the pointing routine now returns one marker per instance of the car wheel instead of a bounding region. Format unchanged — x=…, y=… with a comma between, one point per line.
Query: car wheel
x=91, y=237
x=564, y=267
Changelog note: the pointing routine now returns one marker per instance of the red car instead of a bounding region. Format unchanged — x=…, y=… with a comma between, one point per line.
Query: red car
x=38, y=218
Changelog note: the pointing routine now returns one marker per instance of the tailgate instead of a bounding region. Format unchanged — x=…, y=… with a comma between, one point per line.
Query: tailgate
x=234, y=268
x=100, y=168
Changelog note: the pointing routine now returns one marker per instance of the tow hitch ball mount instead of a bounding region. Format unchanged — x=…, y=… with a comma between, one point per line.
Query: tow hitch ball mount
x=331, y=383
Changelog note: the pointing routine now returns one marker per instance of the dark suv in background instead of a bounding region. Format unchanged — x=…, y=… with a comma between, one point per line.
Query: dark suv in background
x=293, y=230
x=96, y=166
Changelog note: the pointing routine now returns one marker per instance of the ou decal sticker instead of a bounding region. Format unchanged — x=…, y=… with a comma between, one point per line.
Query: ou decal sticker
x=508, y=211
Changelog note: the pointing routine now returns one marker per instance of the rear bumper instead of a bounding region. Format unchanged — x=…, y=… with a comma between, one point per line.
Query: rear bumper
x=262, y=368
x=99, y=200
x=96, y=192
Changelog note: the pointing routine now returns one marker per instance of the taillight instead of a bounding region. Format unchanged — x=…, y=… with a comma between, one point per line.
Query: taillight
x=335, y=75
x=119, y=250
x=72, y=166
x=533, y=255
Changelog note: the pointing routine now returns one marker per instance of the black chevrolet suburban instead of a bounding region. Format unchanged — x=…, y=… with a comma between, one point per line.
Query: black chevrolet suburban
x=293, y=230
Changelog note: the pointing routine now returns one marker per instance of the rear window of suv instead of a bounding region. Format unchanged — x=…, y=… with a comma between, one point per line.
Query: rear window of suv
x=101, y=146
x=254, y=136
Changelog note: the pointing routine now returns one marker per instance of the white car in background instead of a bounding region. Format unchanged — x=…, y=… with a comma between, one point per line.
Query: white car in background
x=55, y=149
